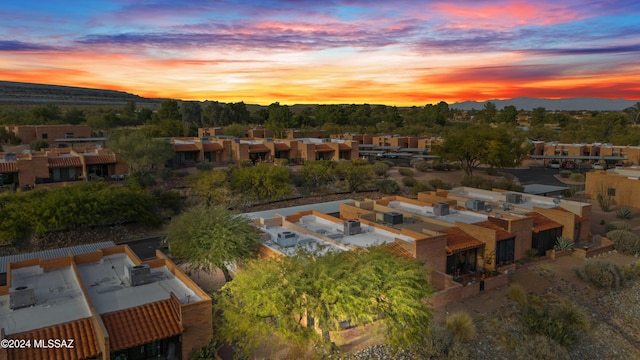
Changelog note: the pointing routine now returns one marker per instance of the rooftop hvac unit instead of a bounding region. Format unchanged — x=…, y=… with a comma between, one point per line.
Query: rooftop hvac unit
x=352, y=227
x=441, y=209
x=514, y=198
x=477, y=205
x=506, y=206
x=21, y=297
x=287, y=239
x=380, y=217
x=393, y=218
x=138, y=275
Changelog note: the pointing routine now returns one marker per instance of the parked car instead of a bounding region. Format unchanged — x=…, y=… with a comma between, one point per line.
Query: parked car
x=619, y=166
x=555, y=164
x=597, y=167
x=569, y=165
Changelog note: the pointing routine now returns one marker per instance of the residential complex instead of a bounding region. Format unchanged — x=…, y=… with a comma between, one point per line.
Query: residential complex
x=105, y=304
x=457, y=233
x=591, y=153
x=51, y=134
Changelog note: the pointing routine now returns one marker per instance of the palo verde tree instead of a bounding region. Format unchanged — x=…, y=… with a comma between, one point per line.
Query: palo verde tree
x=211, y=237
x=355, y=173
x=260, y=182
x=274, y=296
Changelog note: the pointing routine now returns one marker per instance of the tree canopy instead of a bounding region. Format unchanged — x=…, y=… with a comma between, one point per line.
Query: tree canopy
x=211, y=237
x=140, y=152
x=475, y=145
x=270, y=299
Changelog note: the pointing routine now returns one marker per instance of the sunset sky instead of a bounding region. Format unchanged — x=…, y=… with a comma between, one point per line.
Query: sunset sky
x=398, y=52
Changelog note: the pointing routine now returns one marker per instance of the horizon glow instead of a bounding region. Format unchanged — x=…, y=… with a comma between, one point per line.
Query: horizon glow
x=401, y=53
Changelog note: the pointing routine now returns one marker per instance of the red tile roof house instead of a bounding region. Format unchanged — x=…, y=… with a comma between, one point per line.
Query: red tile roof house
x=108, y=302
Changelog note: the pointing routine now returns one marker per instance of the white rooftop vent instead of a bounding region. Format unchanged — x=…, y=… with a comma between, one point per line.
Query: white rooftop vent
x=21, y=297
x=139, y=274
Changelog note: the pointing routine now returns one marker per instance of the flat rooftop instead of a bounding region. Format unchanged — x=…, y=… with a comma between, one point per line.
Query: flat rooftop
x=109, y=288
x=467, y=217
x=328, y=207
x=369, y=236
x=497, y=199
x=59, y=299
x=302, y=241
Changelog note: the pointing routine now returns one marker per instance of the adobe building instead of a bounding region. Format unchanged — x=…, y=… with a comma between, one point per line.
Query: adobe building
x=105, y=304
x=48, y=133
x=620, y=185
x=53, y=167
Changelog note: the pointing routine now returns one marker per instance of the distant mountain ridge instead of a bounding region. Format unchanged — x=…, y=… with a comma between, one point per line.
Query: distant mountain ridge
x=570, y=104
x=29, y=93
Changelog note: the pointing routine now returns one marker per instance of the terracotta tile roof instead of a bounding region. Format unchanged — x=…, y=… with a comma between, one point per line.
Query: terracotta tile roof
x=100, y=159
x=258, y=148
x=8, y=167
x=281, y=147
x=185, y=147
x=323, y=148
x=84, y=345
x=501, y=234
x=66, y=161
x=541, y=222
x=208, y=147
x=344, y=147
x=458, y=240
x=141, y=324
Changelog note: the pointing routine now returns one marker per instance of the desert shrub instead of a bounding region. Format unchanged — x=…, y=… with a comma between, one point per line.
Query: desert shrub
x=461, y=326
x=409, y=181
x=618, y=225
x=423, y=166
x=625, y=242
x=388, y=186
x=553, y=317
x=439, y=342
x=405, y=171
x=439, y=184
x=604, y=201
x=389, y=163
x=415, y=161
x=564, y=174
x=602, y=275
x=477, y=182
x=281, y=162
x=623, y=213
x=165, y=173
x=381, y=169
x=419, y=187
x=577, y=177
x=492, y=171
x=517, y=294
x=204, y=165
x=538, y=347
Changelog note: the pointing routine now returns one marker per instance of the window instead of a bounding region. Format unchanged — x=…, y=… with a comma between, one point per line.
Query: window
x=68, y=135
x=45, y=136
x=611, y=191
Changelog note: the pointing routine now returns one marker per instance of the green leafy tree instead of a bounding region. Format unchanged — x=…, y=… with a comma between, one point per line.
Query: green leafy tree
x=74, y=117
x=489, y=112
x=355, y=173
x=538, y=116
x=141, y=153
x=477, y=145
x=316, y=175
x=269, y=298
x=509, y=115
x=260, y=182
x=280, y=119
x=210, y=238
x=237, y=130
x=210, y=186
x=37, y=145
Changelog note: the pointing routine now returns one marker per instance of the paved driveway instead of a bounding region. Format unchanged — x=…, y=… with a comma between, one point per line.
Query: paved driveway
x=535, y=175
